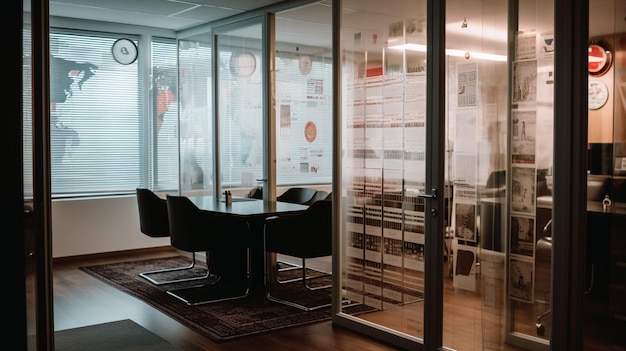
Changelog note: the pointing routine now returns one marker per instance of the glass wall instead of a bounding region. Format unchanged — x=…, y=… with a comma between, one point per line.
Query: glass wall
x=605, y=267
x=476, y=167
x=383, y=125
x=529, y=237
x=496, y=259
x=303, y=75
x=195, y=104
x=240, y=106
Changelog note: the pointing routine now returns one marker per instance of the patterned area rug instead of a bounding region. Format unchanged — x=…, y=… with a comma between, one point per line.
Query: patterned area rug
x=220, y=321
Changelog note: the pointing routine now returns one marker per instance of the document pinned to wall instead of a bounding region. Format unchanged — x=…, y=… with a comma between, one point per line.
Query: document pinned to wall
x=525, y=81
x=467, y=77
x=523, y=136
x=525, y=45
x=464, y=267
x=465, y=131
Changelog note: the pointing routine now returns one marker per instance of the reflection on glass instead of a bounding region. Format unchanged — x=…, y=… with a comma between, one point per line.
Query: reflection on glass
x=527, y=267
x=304, y=123
x=604, y=313
x=196, y=133
x=384, y=162
x=240, y=112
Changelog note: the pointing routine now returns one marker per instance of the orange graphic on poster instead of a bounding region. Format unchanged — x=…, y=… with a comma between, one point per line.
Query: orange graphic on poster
x=310, y=131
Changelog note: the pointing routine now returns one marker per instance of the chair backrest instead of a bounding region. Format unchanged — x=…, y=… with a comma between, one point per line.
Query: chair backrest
x=256, y=193
x=320, y=195
x=318, y=221
x=153, y=220
x=296, y=195
x=496, y=179
x=192, y=229
x=307, y=234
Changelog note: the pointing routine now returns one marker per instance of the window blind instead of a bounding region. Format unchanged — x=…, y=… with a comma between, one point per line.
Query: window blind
x=164, y=122
x=99, y=139
x=96, y=117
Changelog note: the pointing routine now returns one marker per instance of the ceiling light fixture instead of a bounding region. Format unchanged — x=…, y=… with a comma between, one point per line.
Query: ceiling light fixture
x=451, y=52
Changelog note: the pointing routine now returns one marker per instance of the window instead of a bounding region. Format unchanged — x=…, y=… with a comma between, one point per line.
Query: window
x=164, y=93
x=104, y=140
x=196, y=132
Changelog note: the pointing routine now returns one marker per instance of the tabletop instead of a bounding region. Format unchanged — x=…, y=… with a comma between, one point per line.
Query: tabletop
x=245, y=206
x=255, y=211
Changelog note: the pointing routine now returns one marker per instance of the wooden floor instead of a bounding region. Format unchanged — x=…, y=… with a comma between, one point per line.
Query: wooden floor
x=81, y=300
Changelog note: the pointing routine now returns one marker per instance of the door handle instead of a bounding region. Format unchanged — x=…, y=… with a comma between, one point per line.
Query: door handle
x=432, y=195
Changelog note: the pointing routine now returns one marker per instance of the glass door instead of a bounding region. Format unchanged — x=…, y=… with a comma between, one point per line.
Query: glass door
x=241, y=107
x=445, y=222
x=384, y=217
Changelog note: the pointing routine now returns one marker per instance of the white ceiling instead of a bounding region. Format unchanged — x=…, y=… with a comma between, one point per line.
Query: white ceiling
x=177, y=15
x=167, y=14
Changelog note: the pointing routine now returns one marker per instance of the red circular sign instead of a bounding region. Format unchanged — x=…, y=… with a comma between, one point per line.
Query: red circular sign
x=310, y=131
x=600, y=58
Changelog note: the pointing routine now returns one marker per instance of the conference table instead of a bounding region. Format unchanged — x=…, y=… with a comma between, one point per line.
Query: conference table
x=255, y=211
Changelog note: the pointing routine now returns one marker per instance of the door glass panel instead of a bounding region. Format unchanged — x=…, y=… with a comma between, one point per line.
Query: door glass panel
x=384, y=85
x=476, y=116
x=30, y=237
x=604, y=310
x=529, y=235
x=240, y=107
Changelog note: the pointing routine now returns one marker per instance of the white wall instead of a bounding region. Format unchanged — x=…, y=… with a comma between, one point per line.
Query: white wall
x=98, y=225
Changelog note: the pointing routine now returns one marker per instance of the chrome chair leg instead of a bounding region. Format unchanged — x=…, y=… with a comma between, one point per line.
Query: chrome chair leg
x=272, y=271
x=301, y=267
x=147, y=275
x=216, y=291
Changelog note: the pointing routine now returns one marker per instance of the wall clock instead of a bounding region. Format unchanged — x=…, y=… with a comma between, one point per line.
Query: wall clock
x=600, y=58
x=243, y=64
x=124, y=51
x=305, y=64
x=598, y=94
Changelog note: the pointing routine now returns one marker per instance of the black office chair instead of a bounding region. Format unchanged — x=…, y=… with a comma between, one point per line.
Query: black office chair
x=321, y=195
x=303, y=196
x=227, y=237
x=153, y=222
x=305, y=235
x=256, y=193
